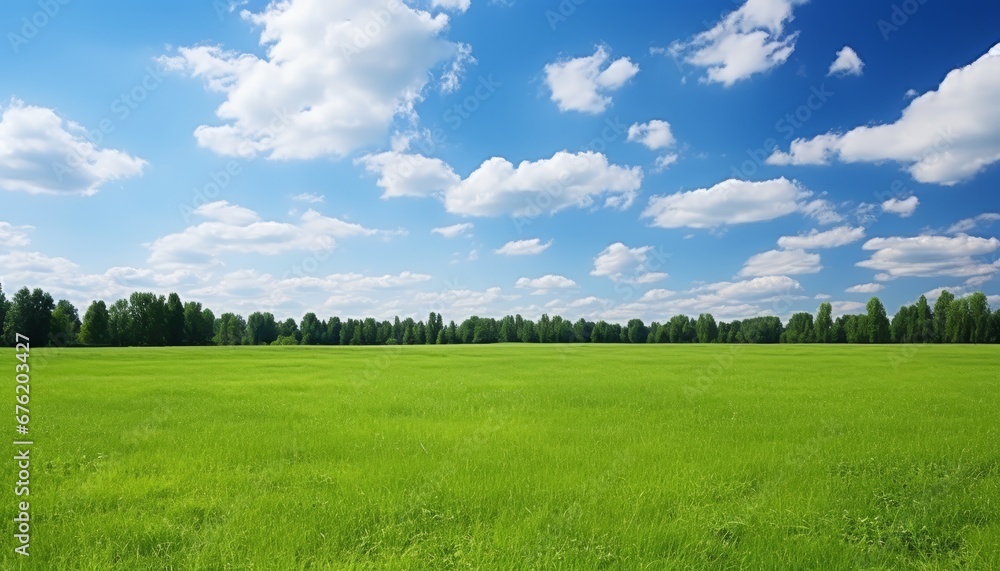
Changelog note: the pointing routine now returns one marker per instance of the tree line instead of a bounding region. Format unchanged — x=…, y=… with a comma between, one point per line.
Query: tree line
x=148, y=319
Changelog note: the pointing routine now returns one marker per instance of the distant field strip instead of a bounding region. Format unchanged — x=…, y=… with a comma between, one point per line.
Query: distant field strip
x=512, y=457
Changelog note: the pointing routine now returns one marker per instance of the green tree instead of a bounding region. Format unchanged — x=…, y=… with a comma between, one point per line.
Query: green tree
x=229, y=329
x=508, y=329
x=800, y=329
x=262, y=329
x=877, y=322
x=856, y=329
x=95, y=329
x=288, y=328
x=706, y=329
x=957, y=326
x=29, y=313
x=119, y=324
x=65, y=324
x=333, y=328
x=198, y=326
x=824, y=323
x=174, y=320
x=941, y=307
x=924, y=322
x=369, y=331
x=995, y=327
x=979, y=318
x=677, y=327
x=148, y=318
x=4, y=304
x=637, y=331
x=311, y=330
x=901, y=328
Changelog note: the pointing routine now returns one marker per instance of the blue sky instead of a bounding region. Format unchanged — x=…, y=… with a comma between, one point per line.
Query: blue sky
x=582, y=158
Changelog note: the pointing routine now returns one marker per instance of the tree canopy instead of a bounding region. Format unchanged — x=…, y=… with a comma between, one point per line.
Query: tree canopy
x=148, y=319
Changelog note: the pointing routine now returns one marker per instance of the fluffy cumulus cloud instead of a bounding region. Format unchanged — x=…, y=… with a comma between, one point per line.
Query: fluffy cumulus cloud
x=622, y=264
x=453, y=231
x=457, y=5
x=498, y=188
x=944, y=136
x=42, y=153
x=781, y=262
x=840, y=236
x=546, y=186
x=904, y=207
x=656, y=136
x=745, y=42
x=14, y=236
x=969, y=224
x=847, y=63
x=531, y=247
x=584, y=84
x=233, y=229
x=736, y=202
x=403, y=174
x=545, y=283
x=931, y=256
x=334, y=77
x=865, y=288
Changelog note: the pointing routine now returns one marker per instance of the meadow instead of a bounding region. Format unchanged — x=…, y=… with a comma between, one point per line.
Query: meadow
x=511, y=457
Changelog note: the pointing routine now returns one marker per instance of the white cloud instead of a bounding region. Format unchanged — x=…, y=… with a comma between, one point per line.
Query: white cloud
x=664, y=162
x=545, y=283
x=14, y=236
x=309, y=197
x=735, y=202
x=584, y=84
x=904, y=208
x=620, y=263
x=531, y=247
x=334, y=77
x=969, y=224
x=498, y=188
x=847, y=63
x=657, y=295
x=654, y=135
x=865, y=288
x=20, y=263
x=402, y=174
x=463, y=302
x=840, y=236
x=728, y=300
x=233, y=229
x=547, y=185
x=821, y=210
x=781, y=262
x=41, y=153
x=931, y=256
x=229, y=214
x=746, y=41
x=451, y=79
x=457, y=5
x=944, y=136
x=846, y=307
x=453, y=231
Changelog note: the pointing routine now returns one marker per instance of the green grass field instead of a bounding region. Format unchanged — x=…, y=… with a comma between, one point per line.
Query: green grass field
x=512, y=457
